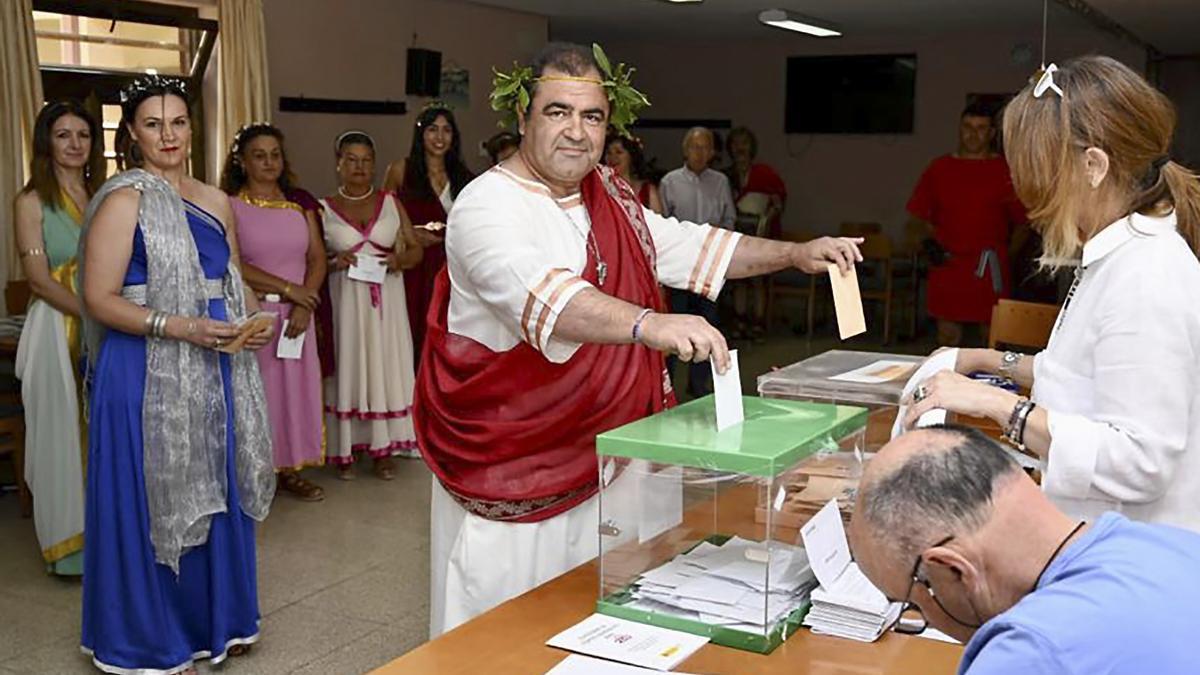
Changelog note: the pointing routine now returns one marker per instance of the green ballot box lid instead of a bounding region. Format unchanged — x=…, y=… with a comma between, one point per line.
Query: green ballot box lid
x=775, y=436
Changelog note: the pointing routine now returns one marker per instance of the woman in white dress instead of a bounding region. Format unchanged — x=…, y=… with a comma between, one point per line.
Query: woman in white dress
x=370, y=242
x=1115, y=404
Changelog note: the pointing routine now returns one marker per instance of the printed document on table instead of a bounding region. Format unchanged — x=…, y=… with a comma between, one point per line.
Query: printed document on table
x=289, y=348
x=628, y=642
x=576, y=664
x=368, y=268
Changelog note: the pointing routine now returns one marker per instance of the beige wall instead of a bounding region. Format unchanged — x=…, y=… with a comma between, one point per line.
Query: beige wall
x=837, y=178
x=355, y=49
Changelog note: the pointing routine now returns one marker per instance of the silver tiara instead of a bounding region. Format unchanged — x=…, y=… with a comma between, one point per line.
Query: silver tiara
x=150, y=85
x=236, y=146
x=337, y=143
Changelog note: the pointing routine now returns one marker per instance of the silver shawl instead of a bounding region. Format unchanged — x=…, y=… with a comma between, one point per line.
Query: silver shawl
x=183, y=413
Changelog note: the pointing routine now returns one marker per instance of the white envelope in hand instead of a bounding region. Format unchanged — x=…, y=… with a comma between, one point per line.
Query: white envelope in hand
x=368, y=268
x=944, y=360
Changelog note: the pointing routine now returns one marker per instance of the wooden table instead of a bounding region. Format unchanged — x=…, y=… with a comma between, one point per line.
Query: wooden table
x=510, y=640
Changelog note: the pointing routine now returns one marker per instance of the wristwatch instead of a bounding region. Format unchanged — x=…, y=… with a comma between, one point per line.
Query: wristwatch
x=1008, y=363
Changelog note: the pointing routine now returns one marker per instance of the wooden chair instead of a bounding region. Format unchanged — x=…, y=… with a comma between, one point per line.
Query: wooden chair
x=877, y=267
x=12, y=415
x=1023, y=324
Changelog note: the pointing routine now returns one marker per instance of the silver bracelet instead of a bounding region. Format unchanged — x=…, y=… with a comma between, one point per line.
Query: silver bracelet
x=637, y=324
x=160, y=325
x=148, y=324
x=1016, y=422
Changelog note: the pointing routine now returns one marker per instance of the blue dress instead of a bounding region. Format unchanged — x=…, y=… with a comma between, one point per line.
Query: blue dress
x=136, y=613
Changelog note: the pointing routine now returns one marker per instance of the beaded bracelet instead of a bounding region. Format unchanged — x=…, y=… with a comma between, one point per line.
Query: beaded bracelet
x=637, y=324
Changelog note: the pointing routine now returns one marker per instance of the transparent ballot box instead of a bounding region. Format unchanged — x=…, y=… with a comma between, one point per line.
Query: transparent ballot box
x=690, y=526
x=882, y=379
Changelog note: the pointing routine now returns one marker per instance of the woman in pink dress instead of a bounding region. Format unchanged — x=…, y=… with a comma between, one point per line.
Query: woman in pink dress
x=283, y=259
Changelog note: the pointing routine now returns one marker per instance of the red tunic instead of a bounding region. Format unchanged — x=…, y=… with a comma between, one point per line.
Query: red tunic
x=972, y=207
x=422, y=207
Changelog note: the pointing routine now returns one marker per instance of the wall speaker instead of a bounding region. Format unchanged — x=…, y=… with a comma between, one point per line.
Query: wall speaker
x=424, y=73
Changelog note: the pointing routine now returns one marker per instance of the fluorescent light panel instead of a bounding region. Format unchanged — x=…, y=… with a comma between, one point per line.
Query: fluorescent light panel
x=786, y=20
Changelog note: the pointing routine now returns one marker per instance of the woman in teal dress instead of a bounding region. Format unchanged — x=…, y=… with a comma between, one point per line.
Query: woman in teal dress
x=67, y=169
x=179, y=449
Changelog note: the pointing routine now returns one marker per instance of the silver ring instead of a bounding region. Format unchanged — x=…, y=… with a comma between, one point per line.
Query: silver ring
x=216, y=343
x=920, y=394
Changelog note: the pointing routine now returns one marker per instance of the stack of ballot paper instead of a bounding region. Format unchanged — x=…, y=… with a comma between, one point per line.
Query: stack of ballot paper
x=846, y=604
x=729, y=585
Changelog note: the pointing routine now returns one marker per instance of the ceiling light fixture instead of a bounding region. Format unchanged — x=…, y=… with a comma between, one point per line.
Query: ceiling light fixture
x=786, y=20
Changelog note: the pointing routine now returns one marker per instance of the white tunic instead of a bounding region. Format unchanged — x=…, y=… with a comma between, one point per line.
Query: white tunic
x=1120, y=379
x=515, y=255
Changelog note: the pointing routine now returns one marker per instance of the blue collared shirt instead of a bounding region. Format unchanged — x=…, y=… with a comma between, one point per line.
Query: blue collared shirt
x=1123, y=599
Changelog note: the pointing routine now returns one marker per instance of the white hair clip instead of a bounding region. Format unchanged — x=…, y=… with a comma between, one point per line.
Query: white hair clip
x=1046, y=81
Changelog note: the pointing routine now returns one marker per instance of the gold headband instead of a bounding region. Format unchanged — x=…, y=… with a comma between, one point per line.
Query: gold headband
x=569, y=78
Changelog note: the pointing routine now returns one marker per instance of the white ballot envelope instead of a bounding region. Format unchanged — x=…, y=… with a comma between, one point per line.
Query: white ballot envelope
x=289, y=348
x=368, y=268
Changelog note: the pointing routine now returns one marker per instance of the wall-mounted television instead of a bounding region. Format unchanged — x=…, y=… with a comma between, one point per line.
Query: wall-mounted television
x=870, y=94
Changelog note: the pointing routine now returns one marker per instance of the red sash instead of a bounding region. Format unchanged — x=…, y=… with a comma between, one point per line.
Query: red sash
x=510, y=435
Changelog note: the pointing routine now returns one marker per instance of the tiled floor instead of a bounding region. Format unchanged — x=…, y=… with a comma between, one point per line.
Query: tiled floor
x=343, y=584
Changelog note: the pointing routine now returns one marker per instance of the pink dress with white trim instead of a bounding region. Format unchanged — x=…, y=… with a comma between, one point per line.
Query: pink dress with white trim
x=369, y=398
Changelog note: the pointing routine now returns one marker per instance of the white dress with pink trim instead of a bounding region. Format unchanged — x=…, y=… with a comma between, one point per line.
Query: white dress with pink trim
x=369, y=398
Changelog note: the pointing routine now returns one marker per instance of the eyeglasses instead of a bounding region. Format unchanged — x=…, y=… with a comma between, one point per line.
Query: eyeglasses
x=1046, y=82
x=912, y=625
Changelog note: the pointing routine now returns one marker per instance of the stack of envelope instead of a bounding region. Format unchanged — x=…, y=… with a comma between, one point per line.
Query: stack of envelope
x=744, y=585
x=851, y=608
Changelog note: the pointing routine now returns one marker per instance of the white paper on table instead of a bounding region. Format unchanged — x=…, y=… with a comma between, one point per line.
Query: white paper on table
x=576, y=664
x=727, y=393
x=825, y=542
x=884, y=370
x=628, y=642
x=931, y=633
x=289, y=348
x=943, y=360
x=661, y=495
x=711, y=589
x=368, y=268
x=853, y=590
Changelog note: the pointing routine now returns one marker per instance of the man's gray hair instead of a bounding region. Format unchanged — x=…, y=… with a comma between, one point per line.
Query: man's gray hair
x=936, y=493
x=698, y=131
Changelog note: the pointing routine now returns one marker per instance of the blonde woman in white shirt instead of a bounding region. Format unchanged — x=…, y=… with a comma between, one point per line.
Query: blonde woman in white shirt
x=1115, y=402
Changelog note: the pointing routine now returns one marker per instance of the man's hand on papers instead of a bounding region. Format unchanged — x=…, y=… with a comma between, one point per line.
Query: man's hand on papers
x=689, y=337
x=814, y=256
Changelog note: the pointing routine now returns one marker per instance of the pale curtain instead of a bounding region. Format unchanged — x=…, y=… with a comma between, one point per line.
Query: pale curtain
x=245, y=95
x=20, y=100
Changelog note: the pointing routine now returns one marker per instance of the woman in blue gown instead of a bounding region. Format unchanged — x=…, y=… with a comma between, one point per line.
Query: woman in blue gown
x=179, y=455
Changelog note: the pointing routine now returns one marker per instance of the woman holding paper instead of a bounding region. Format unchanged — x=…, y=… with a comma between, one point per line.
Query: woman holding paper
x=1115, y=406
x=371, y=241
x=179, y=448
x=283, y=259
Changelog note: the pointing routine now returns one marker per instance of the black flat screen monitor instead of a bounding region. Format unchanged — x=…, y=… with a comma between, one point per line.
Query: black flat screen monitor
x=850, y=94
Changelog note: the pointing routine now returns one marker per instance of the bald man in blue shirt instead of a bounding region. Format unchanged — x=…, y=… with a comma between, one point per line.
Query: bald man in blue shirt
x=947, y=522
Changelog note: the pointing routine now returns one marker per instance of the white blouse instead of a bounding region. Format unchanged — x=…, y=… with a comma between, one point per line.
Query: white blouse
x=515, y=255
x=1120, y=379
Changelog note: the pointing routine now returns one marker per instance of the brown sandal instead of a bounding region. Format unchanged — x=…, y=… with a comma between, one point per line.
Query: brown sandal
x=239, y=650
x=346, y=472
x=307, y=491
x=384, y=468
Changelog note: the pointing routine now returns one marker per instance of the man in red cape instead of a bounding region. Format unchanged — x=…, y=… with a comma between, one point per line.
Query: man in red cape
x=546, y=327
